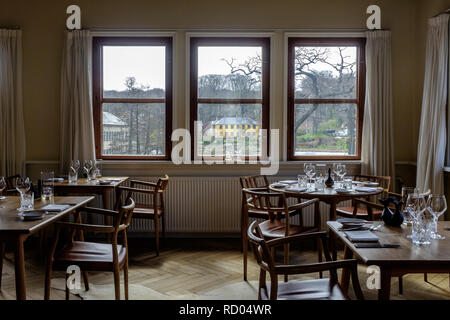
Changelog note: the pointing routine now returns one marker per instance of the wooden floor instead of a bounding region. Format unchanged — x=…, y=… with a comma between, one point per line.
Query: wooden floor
x=196, y=266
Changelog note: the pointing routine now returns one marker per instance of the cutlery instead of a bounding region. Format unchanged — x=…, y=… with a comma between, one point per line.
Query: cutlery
x=375, y=245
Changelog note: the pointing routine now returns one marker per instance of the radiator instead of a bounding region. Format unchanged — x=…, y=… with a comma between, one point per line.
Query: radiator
x=205, y=205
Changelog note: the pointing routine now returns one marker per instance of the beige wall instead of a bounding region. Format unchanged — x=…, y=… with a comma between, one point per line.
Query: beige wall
x=43, y=24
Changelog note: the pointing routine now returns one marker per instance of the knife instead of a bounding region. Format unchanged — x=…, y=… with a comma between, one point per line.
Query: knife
x=375, y=245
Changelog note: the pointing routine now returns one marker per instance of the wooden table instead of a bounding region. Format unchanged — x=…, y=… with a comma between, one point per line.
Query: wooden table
x=395, y=262
x=13, y=229
x=328, y=195
x=85, y=187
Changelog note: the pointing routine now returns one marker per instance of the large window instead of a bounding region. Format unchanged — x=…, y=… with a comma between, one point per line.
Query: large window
x=229, y=79
x=132, y=85
x=326, y=83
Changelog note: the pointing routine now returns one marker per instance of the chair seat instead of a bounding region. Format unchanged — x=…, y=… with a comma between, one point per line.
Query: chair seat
x=88, y=256
x=277, y=229
x=317, y=289
x=143, y=211
x=361, y=213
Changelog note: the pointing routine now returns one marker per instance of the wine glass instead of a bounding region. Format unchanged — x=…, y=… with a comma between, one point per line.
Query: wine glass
x=342, y=171
x=87, y=168
x=406, y=191
x=2, y=187
x=75, y=165
x=310, y=171
x=23, y=185
x=437, y=205
x=337, y=167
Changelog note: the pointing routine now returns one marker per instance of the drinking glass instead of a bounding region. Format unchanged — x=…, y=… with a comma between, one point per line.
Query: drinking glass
x=420, y=230
x=73, y=175
x=348, y=183
x=75, y=165
x=437, y=205
x=310, y=171
x=302, y=181
x=48, y=184
x=23, y=185
x=406, y=191
x=2, y=187
x=27, y=201
x=88, y=164
x=319, y=183
x=342, y=171
x=337, y=171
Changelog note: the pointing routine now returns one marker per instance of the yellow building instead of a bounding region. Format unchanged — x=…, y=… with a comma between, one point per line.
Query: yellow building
x=235, y=127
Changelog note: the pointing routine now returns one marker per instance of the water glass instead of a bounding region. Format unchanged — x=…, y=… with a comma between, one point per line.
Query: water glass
x=320, y=183
x=348, y=183
x=302, y=181
x=48, y=184
x=422, y=228
x=27, y=201
x=73, y=176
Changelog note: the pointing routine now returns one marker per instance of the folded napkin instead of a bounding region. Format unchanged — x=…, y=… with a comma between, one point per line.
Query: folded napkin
x=365, y=189
x=297, y=189
x=56, y=207
x=361, y=236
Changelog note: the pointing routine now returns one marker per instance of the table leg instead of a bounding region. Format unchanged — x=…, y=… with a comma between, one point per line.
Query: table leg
x=19, y=262
x=345, y=276
x=385, y=284
x=106, y=205
x=332, y=211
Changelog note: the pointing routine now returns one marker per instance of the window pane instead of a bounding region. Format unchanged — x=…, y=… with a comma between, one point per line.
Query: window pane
x=134, y=72
x=232, y=129
x=325, y=72
x=134, y=129
x=325, y=129
x=229, y=72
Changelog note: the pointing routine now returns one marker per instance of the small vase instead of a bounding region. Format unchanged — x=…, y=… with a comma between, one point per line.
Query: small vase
x=329, y=182
x=393, y=219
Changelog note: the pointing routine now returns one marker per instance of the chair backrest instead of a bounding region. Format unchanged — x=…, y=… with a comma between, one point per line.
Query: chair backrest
x=123, y=219
x=383, y=181
x=11, y=181
x=162, y=183
x=254, y=182
x=273, y=203
x=261, y=250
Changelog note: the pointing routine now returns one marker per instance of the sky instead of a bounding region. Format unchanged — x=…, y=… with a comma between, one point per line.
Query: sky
x=147, y=64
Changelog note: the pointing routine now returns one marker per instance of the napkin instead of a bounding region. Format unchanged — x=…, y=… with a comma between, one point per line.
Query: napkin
x=365, y=189
x=361, y=236
x=56, y=207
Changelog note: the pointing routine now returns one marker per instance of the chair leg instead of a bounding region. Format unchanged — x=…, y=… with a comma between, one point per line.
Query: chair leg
x=425, y=277
x=86, y=280
x=117, y=282
x=48, y=279
x=286, y=259
x=163, y=226
x=400, y=285
x=67, y=287
x=2, y=256
x=319, y=251
x=157, y=236
x=244, y=250
x=125, y=279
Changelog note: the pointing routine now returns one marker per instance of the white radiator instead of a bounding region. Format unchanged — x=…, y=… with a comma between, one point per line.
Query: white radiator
x=205, y=205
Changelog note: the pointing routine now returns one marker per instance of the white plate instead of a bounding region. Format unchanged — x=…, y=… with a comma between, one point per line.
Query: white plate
x=289, y=181
x=278, y=185
x=297, y=189
x=371, y=184
x=343, y=191
x=2, y=198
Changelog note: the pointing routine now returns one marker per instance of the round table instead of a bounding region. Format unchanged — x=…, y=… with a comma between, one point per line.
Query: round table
x=328, y=195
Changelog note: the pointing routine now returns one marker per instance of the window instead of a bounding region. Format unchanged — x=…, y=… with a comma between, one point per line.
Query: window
x=229, y=84
x=326, y=85
x=132, y=85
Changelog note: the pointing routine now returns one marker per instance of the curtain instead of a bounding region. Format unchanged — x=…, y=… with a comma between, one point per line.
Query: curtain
x=12, y=129
x=77, y=127
x=432, y=135
x=378, y=142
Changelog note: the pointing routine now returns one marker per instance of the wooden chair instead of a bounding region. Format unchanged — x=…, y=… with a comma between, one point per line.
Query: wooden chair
x=155, y=210
x=11, y=185
x=372, y=212
x=276, y=209
x=299, y=289
x=93, y=256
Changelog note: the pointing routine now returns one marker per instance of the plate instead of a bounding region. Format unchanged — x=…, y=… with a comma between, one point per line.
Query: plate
x=2, y=198
x=104, y=182
x=289, y=181
x=343, y=191
x=371, y=184
x=278, y=185
x=31, y=215
x=297, y=189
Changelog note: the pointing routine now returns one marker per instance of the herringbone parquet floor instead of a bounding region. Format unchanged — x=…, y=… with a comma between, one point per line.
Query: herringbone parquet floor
x=197, y=266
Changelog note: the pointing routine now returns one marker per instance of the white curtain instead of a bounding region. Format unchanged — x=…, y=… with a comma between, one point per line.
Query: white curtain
x=378, y=141
x=12, y=130
x=432, y=136
x=77, y=127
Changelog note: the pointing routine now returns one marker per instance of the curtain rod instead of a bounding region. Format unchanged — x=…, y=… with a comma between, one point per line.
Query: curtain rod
x=443, y=12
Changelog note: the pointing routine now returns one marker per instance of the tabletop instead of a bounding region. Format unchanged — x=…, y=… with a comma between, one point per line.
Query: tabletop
x=327, y=193
x=84, y=183
x=437, y=252
x=11, y=222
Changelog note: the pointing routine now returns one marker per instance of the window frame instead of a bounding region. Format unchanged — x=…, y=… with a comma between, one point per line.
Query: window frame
x=198, y=41
x=98, y=99
x=359, y=100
